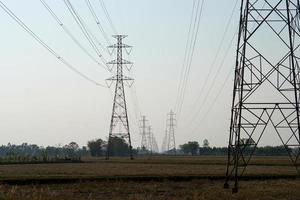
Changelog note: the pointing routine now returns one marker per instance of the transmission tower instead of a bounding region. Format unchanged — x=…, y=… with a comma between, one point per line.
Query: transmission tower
x=164, y=144
x=154, y=144
x=144, y=143
x=170, y=133
x=266, y=84
x=119, y=125
x=150, y=139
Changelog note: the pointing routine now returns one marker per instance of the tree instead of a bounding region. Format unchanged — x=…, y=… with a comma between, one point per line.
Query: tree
x=118, y=147
x=96, y=147
x=205, y=143
x=185, y=148
x=190, y=148
x=74, y=146
x=71, y=149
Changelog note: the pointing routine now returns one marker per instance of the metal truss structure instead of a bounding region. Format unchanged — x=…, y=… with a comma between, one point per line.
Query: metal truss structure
x=266, y=84
x=119, y=125
x=169, y=144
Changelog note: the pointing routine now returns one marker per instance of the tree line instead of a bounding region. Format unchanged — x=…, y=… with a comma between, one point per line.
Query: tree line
x=72, y=152
x=194, y=148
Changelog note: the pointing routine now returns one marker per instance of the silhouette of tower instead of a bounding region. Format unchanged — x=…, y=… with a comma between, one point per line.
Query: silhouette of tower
x=266, y=84
x=154, y=146
x=150, y=139
x=170, y=133
x=143, y=128
x=164, y=144
x=119, y=125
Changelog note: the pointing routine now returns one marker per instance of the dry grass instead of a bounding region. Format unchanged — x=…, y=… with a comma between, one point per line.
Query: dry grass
x=201, y=189
x=143, y=166
x=147, y=167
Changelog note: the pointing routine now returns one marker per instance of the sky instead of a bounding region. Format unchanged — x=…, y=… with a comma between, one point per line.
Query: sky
x=44, y=102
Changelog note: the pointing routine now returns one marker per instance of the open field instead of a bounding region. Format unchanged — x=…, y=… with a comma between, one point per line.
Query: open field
x=148, y=178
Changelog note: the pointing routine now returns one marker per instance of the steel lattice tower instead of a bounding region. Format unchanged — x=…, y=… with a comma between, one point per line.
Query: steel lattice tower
x=164, y=144
x=119, y=125
x=266, y=84
x=171, y=123
x=152, y=144
x=150, y=139
x=144, y=143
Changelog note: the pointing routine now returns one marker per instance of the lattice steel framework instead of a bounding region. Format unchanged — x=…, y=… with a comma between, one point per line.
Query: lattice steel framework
x=266, y=83
x=150, y=139
x=143, y=128
x=171, y=124
x=119, y=125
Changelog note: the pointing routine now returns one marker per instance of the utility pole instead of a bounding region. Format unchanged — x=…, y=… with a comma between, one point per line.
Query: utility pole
x=267, y=83
x=171, y=123
x=143, y=128
x=119, y=124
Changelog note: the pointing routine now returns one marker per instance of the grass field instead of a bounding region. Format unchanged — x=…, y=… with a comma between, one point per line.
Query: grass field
x=157, y=177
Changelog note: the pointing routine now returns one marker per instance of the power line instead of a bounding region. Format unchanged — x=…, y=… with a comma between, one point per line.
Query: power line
x=68, y=32
x=192, y=50
x=48, y=48
x=89, y=5
x=108, y=16
x=185, y=56
x=214, y=81
x=214, y=60
x=86, y=32
x=217, y=73
x=220, y=91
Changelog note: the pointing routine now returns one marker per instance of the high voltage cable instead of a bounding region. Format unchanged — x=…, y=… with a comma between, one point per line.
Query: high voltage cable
x=215, y=59
x=41, y=42
x=185, y=56
x=135, y=101
x=218, y=94
x=86, y=32
x=135, y=108
x=191, y=55
x=191, y=59
x=216, y=75
x=214, y=80
x=68, y=32
x=108, y=16
x=99, y=25
x=215, y=99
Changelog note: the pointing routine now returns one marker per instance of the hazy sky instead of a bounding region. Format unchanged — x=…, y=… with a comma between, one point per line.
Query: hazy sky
x=43, y=102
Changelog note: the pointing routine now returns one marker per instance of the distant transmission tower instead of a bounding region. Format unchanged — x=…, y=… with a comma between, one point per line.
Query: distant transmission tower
x=164, y=144
x=143, y=128
x=266, y=84
x=170, y=133
x=150, y=139
x=119, y=125
x=154, y=143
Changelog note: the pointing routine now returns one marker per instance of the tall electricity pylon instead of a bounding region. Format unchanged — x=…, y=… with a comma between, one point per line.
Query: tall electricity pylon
x=154, y=143
x=143, y=129
x=266, y=84
x=150, y=139
x=119, y=125
x=164, y=143
x=170, y=133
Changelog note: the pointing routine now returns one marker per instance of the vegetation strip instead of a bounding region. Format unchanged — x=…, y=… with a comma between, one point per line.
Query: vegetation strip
x=31, y=181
